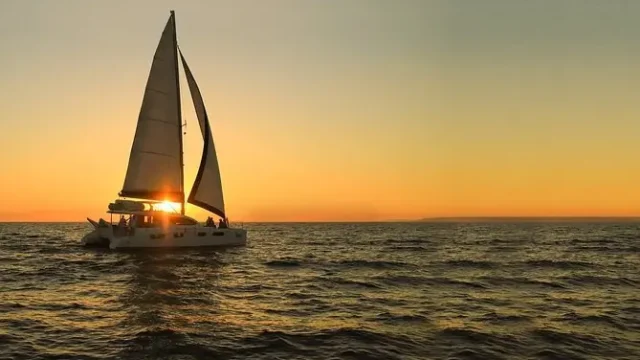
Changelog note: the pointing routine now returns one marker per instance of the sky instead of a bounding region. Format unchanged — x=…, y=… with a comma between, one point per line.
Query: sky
x=357, y=110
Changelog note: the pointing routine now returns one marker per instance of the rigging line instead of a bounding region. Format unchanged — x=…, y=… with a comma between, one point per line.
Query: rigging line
x=184, y=118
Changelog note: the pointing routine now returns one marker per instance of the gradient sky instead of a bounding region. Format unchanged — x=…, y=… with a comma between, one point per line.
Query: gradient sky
x=333, y=110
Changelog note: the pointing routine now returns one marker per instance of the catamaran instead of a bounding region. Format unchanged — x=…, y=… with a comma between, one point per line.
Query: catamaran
x=155, y=173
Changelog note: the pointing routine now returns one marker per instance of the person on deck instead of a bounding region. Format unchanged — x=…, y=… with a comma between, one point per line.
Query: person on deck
x=222, y=225
x=210, y=222
x=122, y=225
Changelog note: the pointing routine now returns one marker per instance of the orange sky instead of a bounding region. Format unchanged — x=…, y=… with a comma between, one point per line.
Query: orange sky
x=351, y=111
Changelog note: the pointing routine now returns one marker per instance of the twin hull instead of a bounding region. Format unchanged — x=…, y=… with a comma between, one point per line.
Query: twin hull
x=174, y=236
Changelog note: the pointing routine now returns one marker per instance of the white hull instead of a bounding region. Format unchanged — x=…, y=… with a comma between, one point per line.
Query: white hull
x=170, y=237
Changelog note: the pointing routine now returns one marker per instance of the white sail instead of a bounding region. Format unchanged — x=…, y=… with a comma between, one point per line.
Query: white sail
x=207, y=188
x=155, y=169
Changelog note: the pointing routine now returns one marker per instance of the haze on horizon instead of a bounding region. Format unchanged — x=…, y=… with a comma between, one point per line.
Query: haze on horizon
x=329, y=110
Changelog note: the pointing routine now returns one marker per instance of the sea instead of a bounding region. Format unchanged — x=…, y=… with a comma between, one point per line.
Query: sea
x=403, y=290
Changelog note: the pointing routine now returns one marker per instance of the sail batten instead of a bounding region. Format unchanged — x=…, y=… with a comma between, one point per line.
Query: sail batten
x=155, y=168
x=207, y=188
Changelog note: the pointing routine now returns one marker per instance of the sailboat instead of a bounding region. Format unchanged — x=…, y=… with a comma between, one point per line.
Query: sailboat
x=155, y=174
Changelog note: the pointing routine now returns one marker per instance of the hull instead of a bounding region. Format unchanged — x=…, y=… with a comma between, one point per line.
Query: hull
x=170, y=237
x=183, y=236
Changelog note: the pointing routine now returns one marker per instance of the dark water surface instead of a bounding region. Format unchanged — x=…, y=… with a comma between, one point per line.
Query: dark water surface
x=322, y=291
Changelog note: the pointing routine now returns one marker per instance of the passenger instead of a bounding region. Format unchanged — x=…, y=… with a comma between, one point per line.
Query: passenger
x=122, y=226
x=223, y=224
x=210, y=222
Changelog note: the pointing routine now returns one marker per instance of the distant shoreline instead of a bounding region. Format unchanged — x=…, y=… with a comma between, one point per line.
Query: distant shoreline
x=535, y=219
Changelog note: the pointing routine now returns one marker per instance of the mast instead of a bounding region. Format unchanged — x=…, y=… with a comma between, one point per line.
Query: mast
x=175, y=53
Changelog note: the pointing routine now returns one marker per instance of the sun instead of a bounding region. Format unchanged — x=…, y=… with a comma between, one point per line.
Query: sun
x=166, y=206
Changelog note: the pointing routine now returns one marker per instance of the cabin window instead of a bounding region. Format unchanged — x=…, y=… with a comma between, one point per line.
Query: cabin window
x=202, y=234
x=218, y=233
x=145, y=221
x=180, y=220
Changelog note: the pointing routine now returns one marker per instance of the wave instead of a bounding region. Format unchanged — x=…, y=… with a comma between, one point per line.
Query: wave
x=365, y=264
x=47, y=307
x=357, y=283
x=559, y=264
x=416, y=248
x=582, y=341
x=503, y=248
x=476, y=354
x=493, y=317
x=592, y=320
x=395, y=318
x=402, y=280
x=471, y=264
x=586, y=280
x=374, y=264
x=409, y=241
x=518, y=281
x=411, y=280
x=477, y=337
x=555, y=354
x=283, y=263
x=592, y=241
x=357, y=342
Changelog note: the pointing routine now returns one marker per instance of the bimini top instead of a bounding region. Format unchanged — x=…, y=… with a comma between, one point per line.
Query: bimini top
x=145, y=209
x=135, y=207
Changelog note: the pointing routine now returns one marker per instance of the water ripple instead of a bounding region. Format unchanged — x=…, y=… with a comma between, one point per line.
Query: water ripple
x=327, y=291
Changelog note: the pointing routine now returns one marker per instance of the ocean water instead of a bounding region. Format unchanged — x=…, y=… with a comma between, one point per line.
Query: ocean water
x=328, y=291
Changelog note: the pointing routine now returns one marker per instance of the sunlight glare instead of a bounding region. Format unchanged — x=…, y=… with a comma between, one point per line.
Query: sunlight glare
x=167, y=206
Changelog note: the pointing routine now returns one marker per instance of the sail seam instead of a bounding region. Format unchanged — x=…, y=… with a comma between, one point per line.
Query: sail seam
x=156, y=153
x=158, y=91
x=158, y=120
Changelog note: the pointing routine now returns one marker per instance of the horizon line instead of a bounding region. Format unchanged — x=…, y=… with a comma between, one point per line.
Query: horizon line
x=426, y=219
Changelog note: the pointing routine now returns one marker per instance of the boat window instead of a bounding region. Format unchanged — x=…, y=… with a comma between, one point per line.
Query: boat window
x=218, y=233
x=145, y=221
x=202, y=234
x=179, y=220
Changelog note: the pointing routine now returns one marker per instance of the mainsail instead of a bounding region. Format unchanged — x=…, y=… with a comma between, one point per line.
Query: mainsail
x=207, y=188
x=155, y=169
